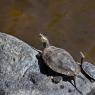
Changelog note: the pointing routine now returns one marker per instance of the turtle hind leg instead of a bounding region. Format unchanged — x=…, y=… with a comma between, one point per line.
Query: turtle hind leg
x=74, y=84
x=73, y=81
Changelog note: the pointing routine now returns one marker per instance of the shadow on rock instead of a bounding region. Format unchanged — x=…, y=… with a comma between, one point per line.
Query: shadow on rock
x=44, y=69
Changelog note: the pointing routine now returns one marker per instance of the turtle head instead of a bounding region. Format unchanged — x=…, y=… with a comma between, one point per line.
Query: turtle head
x=82, y=56
x=44, y=40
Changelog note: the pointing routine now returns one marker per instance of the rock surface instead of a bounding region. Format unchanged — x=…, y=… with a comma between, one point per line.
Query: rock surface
x=22, y=72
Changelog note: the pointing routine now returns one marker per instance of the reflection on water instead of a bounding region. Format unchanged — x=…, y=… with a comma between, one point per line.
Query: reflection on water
x=69, y=24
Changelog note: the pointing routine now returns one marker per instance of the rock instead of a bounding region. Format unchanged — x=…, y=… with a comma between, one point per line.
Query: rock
x=23, y=73
x=16, y=57
x=56, y=79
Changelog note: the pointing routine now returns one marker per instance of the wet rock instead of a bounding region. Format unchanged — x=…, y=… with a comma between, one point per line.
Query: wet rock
x=22, y=73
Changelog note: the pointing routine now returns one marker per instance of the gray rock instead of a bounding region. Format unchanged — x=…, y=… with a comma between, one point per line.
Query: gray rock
x=22, y=73
x=16, y=57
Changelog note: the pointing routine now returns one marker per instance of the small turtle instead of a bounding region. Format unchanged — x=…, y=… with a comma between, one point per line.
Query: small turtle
x=59, y=60
x=87, y=67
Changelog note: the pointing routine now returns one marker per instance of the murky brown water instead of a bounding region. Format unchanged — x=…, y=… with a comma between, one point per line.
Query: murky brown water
x=69, y=24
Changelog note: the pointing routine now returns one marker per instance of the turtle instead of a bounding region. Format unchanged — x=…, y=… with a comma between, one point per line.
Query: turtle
x=87, y=67
x=58, y=59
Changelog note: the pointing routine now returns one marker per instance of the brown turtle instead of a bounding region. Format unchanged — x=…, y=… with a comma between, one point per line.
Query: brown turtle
x=87, y=67
x=59, y=60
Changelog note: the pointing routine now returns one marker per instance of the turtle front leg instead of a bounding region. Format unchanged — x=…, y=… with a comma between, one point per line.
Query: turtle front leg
x=39, y=51
x=39, y=55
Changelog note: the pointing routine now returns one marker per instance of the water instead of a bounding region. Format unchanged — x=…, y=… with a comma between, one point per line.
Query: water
x=68, y=24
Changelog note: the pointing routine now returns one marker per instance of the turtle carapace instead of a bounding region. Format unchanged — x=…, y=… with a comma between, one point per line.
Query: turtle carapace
x=87, y=67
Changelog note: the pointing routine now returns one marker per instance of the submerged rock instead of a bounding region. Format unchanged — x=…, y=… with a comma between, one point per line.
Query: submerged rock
x=23, y=73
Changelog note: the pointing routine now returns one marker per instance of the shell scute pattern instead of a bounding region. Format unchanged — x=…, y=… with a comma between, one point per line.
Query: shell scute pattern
x=89, y=69
x=59, y=60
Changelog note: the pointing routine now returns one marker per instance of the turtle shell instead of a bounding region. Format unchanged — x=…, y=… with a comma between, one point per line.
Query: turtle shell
x=89, y=69
x=60, y=61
